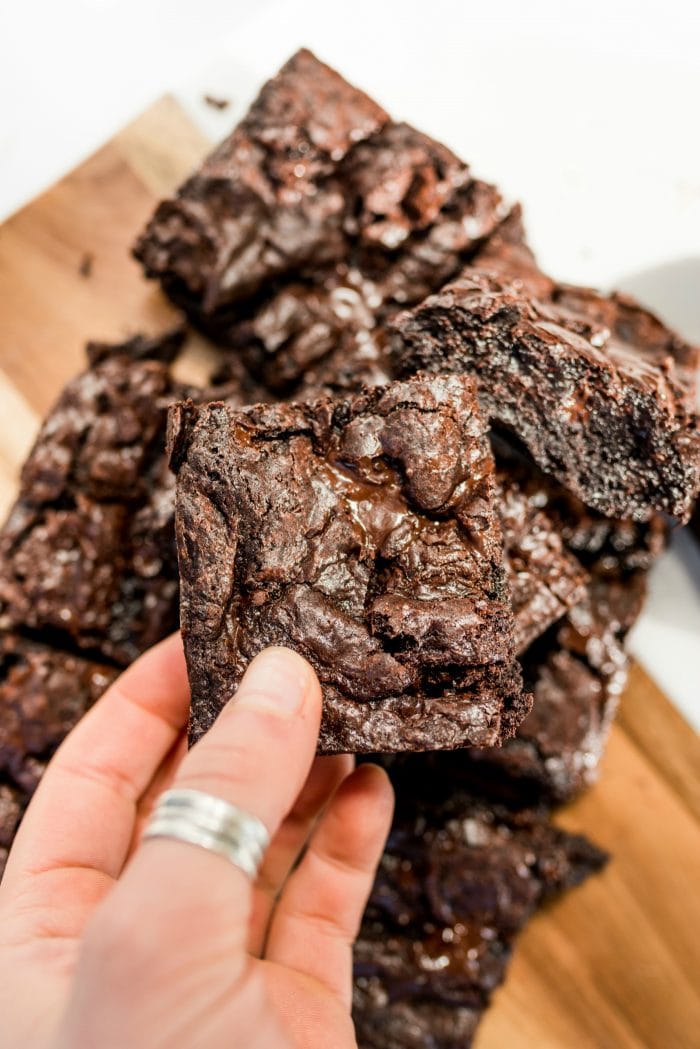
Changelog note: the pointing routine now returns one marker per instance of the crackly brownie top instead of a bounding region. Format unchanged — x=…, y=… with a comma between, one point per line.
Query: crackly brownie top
x=43, y=693
x=311, y=224
x=362, y=533
x=88, y=548
x=458, y=880
x=267, y=200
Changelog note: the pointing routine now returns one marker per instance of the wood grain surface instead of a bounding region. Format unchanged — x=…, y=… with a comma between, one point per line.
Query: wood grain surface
x=615, y=964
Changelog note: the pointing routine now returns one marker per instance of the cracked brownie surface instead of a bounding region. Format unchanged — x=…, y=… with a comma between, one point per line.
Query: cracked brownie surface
x=88, y=551
x=43, y=694
x=310, y=225
x=600, y=392
x=363, y=533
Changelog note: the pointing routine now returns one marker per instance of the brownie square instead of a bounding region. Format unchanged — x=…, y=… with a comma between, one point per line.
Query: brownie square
x=88, y=552
x=363, y=533
x=310, y=225
x=43, y=694
x=458, y=880
x=600, y=392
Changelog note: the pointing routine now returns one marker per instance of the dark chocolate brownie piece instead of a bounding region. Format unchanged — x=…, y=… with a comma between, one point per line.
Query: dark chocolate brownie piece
x=598, y=389
x=363, y=533
x=43, y=694
x=578, y=669
x=310, y=226
x=458, y=881
x=88, y=550
x=268, y=201
x=577, y=672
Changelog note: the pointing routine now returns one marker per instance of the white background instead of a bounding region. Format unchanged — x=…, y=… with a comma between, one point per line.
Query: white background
x=588, y=112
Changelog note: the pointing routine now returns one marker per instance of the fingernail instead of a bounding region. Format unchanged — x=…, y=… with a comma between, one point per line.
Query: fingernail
x=275, y=682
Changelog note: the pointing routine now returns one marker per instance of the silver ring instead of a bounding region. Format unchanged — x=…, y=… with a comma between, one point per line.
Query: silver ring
x=202, y=819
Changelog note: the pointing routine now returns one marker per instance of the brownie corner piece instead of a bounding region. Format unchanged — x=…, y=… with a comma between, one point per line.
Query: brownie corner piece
x=264, y=202
x=363, y=533
x=600, y=392
x=459, y=879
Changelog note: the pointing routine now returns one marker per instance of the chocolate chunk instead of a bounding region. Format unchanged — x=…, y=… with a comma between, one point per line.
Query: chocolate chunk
x=310, y=226
x=43, y=694
x=458, y=880
x=363, y=533
x=598, y=389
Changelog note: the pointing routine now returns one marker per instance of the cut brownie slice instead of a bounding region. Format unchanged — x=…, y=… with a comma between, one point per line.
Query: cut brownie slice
x=310, y=225
x=577, y=672
x=598, y=389
x=88, y=552
x=43, y=694
x=458, y=880
x=267, y=201
x=363, y=533
x=608, y=547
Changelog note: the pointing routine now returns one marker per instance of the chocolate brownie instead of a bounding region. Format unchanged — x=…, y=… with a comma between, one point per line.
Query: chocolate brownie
x=310, y=225
x=43, y=694
x=87, y=551
x=578, y=668
x=576, y=672
x=363, y=533
x=458, y=880
x=597, y=388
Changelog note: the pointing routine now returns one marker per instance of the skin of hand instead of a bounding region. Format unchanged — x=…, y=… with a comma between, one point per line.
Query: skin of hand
x=107, y=943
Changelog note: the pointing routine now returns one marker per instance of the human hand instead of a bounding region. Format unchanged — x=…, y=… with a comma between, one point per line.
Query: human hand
x=105, y=943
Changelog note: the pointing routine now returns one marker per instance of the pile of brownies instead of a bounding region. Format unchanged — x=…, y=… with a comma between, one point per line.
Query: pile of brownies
x=434, y=471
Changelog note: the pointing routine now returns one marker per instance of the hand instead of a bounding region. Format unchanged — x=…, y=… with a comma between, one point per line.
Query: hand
x=107, y=943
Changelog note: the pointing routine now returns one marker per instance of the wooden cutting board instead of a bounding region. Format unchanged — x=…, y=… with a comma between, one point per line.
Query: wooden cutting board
x=615, y=964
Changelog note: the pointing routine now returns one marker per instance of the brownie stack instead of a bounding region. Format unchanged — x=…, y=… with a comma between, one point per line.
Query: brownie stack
x=436, y=472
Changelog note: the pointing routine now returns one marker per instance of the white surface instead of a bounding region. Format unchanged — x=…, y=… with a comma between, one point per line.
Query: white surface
x=585, y=111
